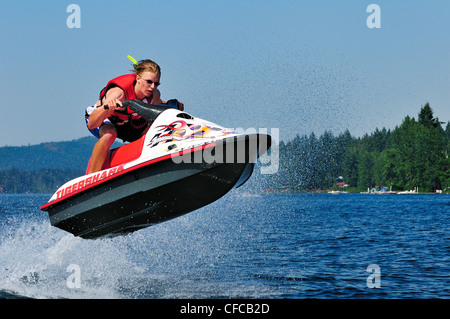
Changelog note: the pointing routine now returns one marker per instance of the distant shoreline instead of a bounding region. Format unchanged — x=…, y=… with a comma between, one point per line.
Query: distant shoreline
x=348, y=192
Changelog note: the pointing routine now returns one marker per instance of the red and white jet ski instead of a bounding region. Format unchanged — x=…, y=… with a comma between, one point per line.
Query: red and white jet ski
x=180, y=165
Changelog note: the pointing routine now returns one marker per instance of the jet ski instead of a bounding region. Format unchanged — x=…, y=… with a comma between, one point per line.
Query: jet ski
x=181, y=164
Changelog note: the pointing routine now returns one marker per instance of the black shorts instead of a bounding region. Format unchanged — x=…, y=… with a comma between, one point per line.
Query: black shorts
x=126, y=132
x=129, y=133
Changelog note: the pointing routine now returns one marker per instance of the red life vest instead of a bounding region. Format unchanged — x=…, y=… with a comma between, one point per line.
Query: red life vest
x=126, y=83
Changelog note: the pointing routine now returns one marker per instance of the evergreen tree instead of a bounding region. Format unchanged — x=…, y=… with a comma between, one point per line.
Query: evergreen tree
x=426, y=117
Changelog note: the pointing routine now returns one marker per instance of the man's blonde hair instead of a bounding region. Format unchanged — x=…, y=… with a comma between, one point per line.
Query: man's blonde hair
x=146, y=65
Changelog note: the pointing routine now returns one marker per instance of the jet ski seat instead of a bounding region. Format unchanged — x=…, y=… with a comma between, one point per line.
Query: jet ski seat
x=123, y=154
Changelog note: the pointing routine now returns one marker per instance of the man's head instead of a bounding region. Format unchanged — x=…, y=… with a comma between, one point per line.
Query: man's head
x=148, y=75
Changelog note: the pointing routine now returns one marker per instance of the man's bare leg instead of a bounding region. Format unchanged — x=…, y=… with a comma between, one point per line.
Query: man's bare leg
x=108, y=135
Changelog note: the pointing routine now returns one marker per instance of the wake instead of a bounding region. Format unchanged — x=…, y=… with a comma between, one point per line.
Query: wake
x=36, y=261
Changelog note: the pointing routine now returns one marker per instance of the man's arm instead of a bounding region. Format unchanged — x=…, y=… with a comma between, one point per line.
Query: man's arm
x=113, y=96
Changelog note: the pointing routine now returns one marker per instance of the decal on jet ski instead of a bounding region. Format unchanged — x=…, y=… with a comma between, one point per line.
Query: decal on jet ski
x=88, y=181
x=180, y=130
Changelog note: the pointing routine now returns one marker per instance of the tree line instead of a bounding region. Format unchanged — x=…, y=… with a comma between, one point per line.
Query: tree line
x=414, y=154
x=42, y=180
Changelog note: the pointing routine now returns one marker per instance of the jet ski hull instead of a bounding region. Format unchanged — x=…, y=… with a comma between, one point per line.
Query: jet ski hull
x=151, y=193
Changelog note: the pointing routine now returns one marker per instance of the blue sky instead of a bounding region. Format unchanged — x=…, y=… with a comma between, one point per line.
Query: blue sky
x=300, y=66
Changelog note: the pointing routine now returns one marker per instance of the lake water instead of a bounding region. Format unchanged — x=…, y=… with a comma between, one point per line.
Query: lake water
x=281, y=246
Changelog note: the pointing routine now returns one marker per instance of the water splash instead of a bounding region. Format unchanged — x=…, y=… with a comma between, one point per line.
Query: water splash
x=35, y=258
x=183, y=258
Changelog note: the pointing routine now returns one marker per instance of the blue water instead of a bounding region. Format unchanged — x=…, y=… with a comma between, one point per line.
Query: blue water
x=242, y=246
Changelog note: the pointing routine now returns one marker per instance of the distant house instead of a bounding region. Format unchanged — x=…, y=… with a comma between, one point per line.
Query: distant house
x=341, y=184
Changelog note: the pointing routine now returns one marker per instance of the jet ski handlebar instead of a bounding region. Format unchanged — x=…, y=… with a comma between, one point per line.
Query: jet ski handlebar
x=148, y=111
x=170, y=104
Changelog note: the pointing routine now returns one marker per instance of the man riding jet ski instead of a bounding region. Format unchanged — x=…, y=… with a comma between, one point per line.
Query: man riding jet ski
x=179, y=164
x=109, y=119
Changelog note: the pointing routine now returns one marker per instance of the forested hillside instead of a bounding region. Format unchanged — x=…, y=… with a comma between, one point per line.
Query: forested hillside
x=43, y=168
x=62, y=155
x=414, y=154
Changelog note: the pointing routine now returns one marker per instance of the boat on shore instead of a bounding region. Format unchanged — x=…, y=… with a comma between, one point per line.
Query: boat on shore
x=337, y=192
x=382, y=191
x=410, y=192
